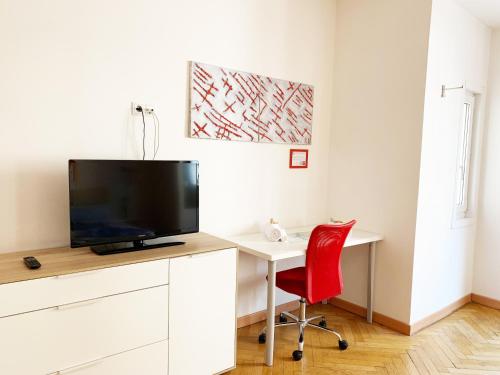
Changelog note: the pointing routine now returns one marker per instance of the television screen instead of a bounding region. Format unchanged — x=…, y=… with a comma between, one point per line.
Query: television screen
x=128, y=200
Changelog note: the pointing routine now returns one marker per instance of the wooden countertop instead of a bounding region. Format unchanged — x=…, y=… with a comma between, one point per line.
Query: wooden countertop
x=65, y=260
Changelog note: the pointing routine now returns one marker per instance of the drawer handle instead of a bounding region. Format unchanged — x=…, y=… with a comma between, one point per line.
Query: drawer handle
x=77, y=274
x=77, y=304
x=78, y=368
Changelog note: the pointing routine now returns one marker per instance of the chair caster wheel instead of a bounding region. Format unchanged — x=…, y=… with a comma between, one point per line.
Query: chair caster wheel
x=297, y=355
x=262, y=338
x=322, y=323
x=283, y=318
x=343, y=344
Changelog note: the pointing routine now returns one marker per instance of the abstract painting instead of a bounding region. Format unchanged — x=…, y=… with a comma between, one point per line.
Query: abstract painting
x=238, y=106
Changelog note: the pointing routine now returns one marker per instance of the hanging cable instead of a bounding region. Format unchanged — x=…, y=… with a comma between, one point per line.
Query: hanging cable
x=154, y=139
x=157, y=134
x=156, y=124
x=143, y=135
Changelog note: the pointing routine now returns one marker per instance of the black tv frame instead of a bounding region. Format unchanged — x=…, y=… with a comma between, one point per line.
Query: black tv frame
x=135, y=243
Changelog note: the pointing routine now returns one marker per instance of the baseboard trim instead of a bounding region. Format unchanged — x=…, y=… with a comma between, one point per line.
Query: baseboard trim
x=394, y=324
x=348, y=306
x=486, y=301
x=440, y=314
x=386, y=321
x=259, y=316
x=381, y=319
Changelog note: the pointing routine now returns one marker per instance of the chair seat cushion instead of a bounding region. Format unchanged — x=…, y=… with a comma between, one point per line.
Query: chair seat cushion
x=292, y=281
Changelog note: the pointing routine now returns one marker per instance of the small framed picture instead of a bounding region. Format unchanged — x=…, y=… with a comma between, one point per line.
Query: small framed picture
x=299, y=158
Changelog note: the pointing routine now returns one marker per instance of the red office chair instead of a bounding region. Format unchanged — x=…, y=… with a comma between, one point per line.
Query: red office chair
x=320, y=279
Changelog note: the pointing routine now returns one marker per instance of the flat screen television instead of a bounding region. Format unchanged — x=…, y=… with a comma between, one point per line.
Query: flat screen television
x=124, y=205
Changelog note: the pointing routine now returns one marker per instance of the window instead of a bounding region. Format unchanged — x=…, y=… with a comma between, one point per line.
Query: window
x=464, y=158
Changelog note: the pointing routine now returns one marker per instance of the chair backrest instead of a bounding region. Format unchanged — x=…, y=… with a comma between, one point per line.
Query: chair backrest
x=323, y=272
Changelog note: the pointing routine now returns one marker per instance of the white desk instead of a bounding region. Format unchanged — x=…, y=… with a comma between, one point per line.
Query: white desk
x=257, y=245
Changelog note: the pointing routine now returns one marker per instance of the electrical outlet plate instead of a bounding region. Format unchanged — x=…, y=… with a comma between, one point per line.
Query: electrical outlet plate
x=146, y=109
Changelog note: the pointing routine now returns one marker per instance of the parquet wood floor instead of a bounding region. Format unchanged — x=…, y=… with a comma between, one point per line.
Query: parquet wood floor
x=466, y=342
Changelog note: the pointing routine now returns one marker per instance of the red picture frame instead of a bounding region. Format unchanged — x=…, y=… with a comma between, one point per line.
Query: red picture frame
x=299, y=158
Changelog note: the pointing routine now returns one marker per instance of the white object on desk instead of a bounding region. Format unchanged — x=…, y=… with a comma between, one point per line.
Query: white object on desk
x=296, y=246
x=274, y=232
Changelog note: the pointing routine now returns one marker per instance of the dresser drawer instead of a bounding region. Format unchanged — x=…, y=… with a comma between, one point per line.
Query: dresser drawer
x=46, y=341
x=47, y=292
x=148, y=360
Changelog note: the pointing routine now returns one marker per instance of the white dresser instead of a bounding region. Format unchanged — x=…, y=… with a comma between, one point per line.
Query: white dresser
x=166, y=311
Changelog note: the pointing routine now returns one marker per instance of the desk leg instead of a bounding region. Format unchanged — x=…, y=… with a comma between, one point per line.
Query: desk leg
x=371, y=277
x=271, y=306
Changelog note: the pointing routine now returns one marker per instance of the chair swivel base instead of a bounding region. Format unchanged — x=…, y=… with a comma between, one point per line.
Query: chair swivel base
x=302, y=322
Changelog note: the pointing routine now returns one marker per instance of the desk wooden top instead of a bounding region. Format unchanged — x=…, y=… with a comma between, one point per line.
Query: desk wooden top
x=65, y=260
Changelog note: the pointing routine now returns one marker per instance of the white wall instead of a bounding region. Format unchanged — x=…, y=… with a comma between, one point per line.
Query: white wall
x=443, y=261
x=71, y=68
x=379, y=83
x=487, y=252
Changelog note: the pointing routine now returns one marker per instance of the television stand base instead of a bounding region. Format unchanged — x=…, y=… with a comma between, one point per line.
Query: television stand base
x=125, y=247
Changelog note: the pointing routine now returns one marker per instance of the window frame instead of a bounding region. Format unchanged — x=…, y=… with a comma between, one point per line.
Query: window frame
x=464, y=155
x=468, y=160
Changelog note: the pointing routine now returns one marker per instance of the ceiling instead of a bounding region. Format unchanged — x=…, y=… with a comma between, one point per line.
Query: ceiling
x=486, y=10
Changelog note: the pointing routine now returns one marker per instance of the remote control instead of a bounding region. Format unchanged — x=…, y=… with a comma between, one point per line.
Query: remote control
x=32, y=263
